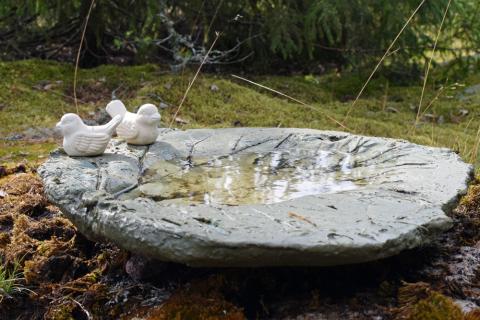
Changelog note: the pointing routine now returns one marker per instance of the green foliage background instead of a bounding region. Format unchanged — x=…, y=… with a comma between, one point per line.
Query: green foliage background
x=286, y=34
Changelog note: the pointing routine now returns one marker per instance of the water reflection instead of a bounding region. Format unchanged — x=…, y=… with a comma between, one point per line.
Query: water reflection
x=251, y=178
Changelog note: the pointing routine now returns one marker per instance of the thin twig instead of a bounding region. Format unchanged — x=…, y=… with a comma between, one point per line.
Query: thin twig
x=425, y=80
x=85, y=311
x=193, y=80
x=382, y=59
x=291, y=98
x=78, y=55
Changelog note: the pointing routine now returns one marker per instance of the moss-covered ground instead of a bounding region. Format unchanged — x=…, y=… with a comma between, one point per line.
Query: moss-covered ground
x=36, y=93
x=59, y=274
x=62, y=275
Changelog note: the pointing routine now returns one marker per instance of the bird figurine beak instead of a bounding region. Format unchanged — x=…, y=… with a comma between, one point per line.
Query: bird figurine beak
x=58, y=127
x=155, y=118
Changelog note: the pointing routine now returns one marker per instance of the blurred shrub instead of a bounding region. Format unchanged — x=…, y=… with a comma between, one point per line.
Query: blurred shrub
x=268, y=34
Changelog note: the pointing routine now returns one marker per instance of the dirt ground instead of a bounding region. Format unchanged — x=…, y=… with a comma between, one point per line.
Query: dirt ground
x=63, y=275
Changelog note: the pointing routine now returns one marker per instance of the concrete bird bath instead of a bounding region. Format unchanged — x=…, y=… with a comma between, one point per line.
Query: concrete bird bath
x=261, y=196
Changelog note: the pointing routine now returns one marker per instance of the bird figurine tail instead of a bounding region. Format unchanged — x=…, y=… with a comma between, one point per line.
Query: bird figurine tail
x=116, y=107
x=112, y=124
x=109, y=127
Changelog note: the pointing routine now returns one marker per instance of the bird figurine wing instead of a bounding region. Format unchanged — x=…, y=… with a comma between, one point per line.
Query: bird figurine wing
x=127, y=129
x=91, y=142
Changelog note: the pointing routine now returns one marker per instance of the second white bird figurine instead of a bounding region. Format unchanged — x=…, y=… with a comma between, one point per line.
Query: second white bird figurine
x=81, y=140
x=139, y=128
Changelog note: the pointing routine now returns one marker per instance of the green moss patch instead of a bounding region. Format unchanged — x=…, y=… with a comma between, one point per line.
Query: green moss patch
x=36, y=93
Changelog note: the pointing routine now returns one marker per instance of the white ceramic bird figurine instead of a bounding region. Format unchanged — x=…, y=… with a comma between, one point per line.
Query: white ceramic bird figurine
x=82, y=140
x=139, y=128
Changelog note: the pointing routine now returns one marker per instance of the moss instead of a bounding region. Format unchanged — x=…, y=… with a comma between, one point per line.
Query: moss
x=62, y=311
x=4, y=240
x=57, y=262
x=384, y=112
x=435, y=307
x=419, y=301
x=411, y=293
x=32, y=152
x=471, y=201
x=201, y=300
x=36, y=93
x=473, y=315
x=468, y=213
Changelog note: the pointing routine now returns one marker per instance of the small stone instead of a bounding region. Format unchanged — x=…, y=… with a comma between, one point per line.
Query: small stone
x=38, y=133
x=48, y=87
x=347, y=97
x=144, y=269
x=3, y=194
x=472, y=89
x=167, y=86
x=429, y=118
x=163, y=105
x=181, y=120
x=396, y=98
x=101, y=117
x=392, y=110
x=41, y=85
x=15, y=137
x=214, y=88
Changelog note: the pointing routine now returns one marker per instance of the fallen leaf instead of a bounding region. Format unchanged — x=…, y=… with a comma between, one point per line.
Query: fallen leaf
x=47, y=87
x=429, y=117
x=300, y=217
x=163, y=105
x=463, y=112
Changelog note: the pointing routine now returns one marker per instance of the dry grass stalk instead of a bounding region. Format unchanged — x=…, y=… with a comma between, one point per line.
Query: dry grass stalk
x=387, y=53
x=429, y=65
x=474, y=154
x=193, y=80
x=291, y=98
x=78, y=55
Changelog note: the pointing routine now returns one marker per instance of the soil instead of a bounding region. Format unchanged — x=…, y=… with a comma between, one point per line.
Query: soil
x=71, y=277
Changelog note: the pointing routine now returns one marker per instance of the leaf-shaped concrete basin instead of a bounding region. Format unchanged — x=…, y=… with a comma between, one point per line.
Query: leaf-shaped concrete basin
x=261, y=196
